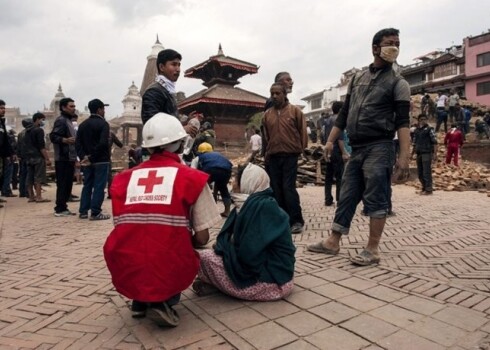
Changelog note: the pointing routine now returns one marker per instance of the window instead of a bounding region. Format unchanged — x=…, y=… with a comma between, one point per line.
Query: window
x=483, y=88
x=316, y=103
x=445, y=70
x=483, y=59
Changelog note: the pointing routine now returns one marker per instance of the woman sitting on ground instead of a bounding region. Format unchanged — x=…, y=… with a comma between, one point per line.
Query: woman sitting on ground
x=253, y=258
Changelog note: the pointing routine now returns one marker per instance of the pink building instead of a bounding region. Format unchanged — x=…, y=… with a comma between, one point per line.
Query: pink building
x=477, y=68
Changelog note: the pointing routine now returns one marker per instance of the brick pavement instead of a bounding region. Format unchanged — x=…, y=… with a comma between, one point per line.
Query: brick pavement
x=430, y=291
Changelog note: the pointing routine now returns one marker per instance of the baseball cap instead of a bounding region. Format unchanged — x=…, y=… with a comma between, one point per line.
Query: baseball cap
x=95, y=104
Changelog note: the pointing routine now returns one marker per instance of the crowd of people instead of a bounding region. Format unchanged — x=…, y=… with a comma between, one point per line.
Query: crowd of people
x=164, y=205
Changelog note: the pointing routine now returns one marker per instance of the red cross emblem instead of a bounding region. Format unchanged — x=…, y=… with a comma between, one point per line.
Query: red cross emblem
x=151, y=181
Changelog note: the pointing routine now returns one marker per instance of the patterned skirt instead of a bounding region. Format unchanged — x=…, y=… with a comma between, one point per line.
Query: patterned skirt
x=212, y=271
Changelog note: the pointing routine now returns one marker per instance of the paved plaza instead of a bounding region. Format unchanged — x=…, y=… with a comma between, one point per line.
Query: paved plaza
x=430, y=291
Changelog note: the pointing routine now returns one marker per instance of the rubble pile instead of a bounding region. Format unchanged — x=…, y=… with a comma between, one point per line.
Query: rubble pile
x=469, y=176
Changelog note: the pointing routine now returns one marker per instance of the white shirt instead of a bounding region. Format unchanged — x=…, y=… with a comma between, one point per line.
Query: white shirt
x=256, y=142
x=441, y=101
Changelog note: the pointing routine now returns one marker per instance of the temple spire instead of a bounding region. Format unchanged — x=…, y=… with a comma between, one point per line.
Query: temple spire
x=59, y=87
x=158, y=41
x=220, y=50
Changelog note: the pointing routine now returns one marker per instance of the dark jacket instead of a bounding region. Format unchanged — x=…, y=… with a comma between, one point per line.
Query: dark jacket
x=5, y=147
x=372, y=114
x=33, y=142
x=213, y=160
x=424, y=140
x=157, y=99
x=63, y=128
x=93, y=140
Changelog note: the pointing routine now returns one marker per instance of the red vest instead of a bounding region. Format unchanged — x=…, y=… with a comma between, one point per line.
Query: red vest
x=149, y=252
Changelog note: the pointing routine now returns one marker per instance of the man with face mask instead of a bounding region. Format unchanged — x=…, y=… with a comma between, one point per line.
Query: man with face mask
x=377, y=105
x=425, y=147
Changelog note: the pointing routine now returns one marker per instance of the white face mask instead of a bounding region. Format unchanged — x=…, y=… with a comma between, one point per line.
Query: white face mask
x=389, y=53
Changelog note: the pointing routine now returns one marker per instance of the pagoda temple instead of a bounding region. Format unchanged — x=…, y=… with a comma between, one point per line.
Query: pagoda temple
x=229, y=107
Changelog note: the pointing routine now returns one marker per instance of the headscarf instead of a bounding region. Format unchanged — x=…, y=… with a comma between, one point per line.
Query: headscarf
x=254, y=179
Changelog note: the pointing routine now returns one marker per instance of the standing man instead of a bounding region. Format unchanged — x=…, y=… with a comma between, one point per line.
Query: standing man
x=92, y=147
x=334, y=167
x=159, y=97
x=162, y=210
x=26, y=123
x=441, y=103
x=63, y=138
x=285, y=134
x=454, y=141
x=37, y=158
x=285, y=79
x=425, y=147
x=453, y=100
x=255, y=144
x=6, y=153
x=377, y=105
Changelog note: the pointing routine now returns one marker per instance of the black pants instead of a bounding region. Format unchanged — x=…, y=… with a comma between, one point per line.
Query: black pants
x=221, y=177
x=424, y=169
x=65, y=170
x=333, y=169
x=282, y=172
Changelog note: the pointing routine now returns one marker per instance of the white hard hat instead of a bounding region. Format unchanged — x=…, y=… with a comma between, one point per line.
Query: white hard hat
x=161, y=130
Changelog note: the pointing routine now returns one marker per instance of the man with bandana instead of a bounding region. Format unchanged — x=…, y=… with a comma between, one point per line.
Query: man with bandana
x=377, y=105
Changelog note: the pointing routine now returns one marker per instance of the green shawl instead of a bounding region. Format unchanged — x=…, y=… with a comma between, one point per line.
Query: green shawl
x=256, y=243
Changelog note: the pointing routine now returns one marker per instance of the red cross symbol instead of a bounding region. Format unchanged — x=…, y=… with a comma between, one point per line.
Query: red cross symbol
x=151, y=181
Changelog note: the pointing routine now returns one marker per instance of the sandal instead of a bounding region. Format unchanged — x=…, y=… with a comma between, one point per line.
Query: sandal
x=100, y=216
x=202, y=288
x=365, y=258
x=42, y=200
x=31, y=200
x=320, y=248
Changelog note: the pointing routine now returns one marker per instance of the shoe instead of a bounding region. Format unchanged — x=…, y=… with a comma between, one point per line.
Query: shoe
x=365, y=258
x=100, y=216
x=3, y=200
x=64, y=214
x=297, y=228
x=320, y=248
x=328, y=204
x=163, y=315
x=9, y=195
x=83, y=216
x=73, y=199
x=138, y=309
x=425, y=193
x=390, y=214
x=1, y=205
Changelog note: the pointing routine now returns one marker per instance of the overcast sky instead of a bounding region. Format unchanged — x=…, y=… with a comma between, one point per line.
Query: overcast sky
x=96, y=48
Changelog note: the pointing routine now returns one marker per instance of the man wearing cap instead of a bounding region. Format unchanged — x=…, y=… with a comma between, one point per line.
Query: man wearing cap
x=159, y=97
x=63, y=138
x=149, y=253
x=92, y=145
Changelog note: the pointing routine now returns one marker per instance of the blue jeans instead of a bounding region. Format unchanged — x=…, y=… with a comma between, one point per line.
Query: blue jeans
x=367, y=177
x=94, y=182
x=282, y=172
